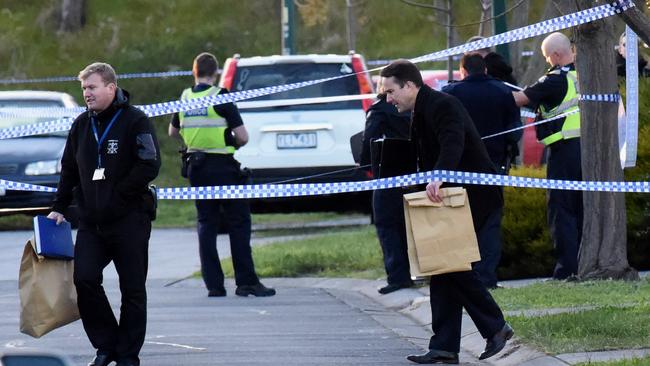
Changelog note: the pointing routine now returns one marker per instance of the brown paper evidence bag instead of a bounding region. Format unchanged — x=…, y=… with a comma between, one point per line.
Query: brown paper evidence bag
x=48, y=299
x=440, y=236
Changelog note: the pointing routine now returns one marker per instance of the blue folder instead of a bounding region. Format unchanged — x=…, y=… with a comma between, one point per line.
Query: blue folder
x=52, y=240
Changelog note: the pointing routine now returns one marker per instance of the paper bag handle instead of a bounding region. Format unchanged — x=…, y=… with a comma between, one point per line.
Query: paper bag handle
x=451, y=197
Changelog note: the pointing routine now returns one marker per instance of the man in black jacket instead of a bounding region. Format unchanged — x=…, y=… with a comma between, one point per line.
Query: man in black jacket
x=497, y=66
x=110, y=157
x=492, y=108
x=383, y=121
x=446, y=139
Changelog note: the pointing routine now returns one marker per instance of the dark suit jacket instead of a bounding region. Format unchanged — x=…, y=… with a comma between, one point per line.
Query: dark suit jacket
x=447, y=139
x=492, y=107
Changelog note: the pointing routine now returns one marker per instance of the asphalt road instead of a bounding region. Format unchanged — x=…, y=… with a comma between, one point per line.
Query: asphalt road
x=299, y=326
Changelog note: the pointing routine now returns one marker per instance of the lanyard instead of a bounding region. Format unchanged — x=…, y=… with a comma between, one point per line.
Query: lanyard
x=101, y=140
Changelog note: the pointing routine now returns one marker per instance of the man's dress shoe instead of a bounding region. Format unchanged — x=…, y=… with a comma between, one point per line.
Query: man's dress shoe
x=392, y=287
x=101, y=360
x=497, y=342
x=435, y=356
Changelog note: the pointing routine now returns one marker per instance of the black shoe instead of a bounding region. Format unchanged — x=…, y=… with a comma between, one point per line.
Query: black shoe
x=497, y=342
x=255, y=290
x=435, y=356
x=102, y=359
x=126, y=363
x=392, y=287
x=218, y=292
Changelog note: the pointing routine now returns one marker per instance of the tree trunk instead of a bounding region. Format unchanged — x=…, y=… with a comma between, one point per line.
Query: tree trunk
x=485, y=29
x=73, y=15
x=636, y=19
x=603, y=251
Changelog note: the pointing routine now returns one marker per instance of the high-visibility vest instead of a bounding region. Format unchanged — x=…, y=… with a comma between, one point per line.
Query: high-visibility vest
x=203, y=129
x=571, y=126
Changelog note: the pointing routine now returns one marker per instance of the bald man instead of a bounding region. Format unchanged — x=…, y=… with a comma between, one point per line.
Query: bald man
x=554, y=94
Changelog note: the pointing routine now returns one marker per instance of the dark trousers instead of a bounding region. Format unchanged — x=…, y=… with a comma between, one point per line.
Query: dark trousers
x=217, y=170
x=126, y=243
x=565, y=211
x=489, y=244
x=450, y=293
x=388, y=211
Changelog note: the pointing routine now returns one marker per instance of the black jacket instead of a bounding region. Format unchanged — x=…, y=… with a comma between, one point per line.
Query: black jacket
x=383, y=120
x=130, y=157
x=492, y=107
x=447, y=139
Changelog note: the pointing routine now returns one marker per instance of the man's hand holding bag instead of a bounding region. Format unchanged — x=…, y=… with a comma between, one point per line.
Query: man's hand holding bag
x=440, y=236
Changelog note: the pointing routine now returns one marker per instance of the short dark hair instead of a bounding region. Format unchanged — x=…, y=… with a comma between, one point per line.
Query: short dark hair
x=403, y=71
x=473, y=63
x=205, y=64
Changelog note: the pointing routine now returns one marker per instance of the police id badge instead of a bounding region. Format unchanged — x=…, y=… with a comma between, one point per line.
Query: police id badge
x=99, y=174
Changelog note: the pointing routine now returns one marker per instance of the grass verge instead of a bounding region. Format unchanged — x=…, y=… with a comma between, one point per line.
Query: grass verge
x=594, y=330
x=351, y=253
x=628, y=362
x=571, y=294
x=182, y=213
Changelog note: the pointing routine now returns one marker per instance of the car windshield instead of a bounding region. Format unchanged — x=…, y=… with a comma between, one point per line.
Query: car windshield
x=255, y=77
x=12, y=121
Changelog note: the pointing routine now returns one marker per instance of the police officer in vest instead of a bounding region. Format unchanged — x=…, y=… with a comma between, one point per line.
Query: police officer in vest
x=556, y=93
x=211, y=136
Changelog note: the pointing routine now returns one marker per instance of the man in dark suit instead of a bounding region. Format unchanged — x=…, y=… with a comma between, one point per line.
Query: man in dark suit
x=446, y=139
x=492, y=107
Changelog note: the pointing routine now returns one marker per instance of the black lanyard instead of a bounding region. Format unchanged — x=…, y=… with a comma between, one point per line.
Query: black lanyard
x=101, y=140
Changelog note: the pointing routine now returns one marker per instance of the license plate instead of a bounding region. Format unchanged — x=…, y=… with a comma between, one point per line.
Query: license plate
x=305, y=140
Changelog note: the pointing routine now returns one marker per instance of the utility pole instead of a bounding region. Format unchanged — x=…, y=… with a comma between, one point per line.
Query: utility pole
x=287, y=15
x=350, y=26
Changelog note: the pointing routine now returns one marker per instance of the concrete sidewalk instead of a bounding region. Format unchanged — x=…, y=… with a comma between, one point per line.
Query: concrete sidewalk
x=312, y=321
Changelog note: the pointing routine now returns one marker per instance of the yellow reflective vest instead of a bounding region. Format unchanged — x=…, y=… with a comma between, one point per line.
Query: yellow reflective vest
x=203, y=129
x=571, y=126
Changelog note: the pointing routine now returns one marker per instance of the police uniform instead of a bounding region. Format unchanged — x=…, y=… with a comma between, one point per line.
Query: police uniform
x=556, y=93
x=383, y=120
x=492, y=108
x=207, y=135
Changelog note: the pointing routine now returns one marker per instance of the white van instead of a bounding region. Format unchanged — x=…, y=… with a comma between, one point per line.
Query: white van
x=288, y=141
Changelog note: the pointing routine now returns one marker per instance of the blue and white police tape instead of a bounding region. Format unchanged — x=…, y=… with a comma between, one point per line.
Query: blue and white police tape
x=17, y=186
x=66, y=112
x=544, y=27
x=561, y=115
x=517, y=34
x=41, y=128
x=313, y=189
x=629, y=148
x=64, y=124
x=138, y=75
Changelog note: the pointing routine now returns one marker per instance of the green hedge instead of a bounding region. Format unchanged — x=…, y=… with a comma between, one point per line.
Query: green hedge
x=527, y=247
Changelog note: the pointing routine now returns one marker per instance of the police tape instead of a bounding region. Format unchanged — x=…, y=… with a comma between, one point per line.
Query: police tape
x=551, y=25
x=630, y=130
x=39, y=112
x=537, y=29
x=64, y=124
x=137, y=75
x=315, y=189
